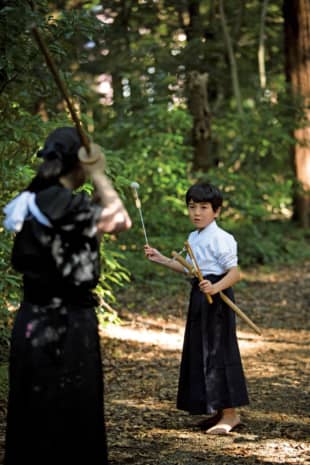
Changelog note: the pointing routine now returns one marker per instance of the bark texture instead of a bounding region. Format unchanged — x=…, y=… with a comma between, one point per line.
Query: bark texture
x=297, y=47
x=197, y=86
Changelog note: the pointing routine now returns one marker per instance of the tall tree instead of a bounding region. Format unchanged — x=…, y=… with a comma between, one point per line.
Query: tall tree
x=197, y=87
x=297, y=45
x=231, y=56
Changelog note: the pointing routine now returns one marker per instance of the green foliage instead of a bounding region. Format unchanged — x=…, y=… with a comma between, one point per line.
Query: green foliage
x=148, y=147
x=30, y=108
x=3, y=381
x=9, y=294
x=271, y=242
x=145, y=129
x=114, y=273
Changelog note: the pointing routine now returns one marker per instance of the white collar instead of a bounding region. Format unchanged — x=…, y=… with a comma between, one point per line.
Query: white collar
x=210, y=228
x=19, y=208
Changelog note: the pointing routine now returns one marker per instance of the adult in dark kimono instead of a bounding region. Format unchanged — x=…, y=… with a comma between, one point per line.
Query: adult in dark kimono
x=211, y=374
x=55, y=407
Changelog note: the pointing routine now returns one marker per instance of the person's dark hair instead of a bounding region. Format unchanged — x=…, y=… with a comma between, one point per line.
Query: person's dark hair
x=205, y=192
x=60, y=156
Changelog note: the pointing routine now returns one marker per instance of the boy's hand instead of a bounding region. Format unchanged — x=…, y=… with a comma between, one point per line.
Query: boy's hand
x=153, y=254
x=207, y=287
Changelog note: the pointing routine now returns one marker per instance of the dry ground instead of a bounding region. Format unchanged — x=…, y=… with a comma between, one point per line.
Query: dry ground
x=141, y=363
x=141, y=373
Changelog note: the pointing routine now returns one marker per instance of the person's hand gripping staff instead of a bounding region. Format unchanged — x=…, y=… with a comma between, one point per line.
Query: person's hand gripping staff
x=114, y=217
x=150, y=252
x=155, y=256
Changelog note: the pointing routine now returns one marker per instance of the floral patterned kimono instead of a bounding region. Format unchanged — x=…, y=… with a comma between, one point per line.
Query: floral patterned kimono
x=55, y=408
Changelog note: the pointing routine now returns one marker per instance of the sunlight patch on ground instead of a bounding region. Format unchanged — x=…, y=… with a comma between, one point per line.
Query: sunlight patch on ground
x=148, y=405
x=249, y=342
x=281, y=451
x=170, y=341
x=263, y=276
x=274, y=416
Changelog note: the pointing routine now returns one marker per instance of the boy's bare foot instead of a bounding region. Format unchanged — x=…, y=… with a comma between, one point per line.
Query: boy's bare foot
x=230, y=419
x=211, y=421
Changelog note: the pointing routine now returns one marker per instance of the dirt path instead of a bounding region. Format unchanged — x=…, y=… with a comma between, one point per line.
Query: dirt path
x=142, y=356
x=141, y=374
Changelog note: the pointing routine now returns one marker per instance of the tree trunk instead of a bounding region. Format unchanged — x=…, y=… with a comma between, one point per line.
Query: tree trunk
x=297, y=48
x=117, y=89
x=197, y=88
x=232, y=59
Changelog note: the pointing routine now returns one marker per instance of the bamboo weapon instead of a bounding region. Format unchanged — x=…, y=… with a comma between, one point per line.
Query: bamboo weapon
x=91, y=154
x=63, y=89
x=196, y=267
x=223, y=296
x=180, y=259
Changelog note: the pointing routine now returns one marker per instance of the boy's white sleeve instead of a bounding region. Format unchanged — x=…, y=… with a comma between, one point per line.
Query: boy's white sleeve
x=227, y=257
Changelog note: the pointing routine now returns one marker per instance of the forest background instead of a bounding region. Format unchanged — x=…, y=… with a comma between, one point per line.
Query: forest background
x=174, y=91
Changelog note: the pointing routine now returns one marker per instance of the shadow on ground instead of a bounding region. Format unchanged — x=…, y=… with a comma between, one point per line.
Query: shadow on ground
x=141, y=363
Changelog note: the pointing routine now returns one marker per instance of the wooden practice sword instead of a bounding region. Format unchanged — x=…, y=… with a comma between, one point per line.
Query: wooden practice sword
x=223, y=296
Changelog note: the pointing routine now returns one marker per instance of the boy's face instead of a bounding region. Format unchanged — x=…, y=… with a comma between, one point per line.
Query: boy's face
x=201, y=214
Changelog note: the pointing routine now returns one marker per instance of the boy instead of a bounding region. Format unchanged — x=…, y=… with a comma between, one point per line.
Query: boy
x=211, y=375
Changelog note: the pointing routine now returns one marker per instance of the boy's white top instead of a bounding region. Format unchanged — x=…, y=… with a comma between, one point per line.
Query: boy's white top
x=215, y=250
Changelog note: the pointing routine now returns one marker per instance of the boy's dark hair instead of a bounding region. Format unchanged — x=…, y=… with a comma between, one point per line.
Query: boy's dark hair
x=205, y=192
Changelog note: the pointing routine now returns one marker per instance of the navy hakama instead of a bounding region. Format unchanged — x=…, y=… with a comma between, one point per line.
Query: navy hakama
x=211, y=373
x=56, y=404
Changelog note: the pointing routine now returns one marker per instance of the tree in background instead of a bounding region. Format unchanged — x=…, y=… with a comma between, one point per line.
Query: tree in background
x=31, y=106
x=197, y=58
x=159, y=86
x=297, y=47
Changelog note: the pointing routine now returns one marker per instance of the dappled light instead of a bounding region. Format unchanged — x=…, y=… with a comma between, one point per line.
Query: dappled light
x=146, y=336
x=173, y=93
x=142, y=357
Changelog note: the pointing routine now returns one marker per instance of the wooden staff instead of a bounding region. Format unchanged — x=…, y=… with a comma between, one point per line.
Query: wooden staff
x=223, y=296
x=197, y=269
x=62, y=88
x=180, y=259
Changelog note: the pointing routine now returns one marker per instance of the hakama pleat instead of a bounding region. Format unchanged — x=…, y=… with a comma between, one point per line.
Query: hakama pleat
x=56, y=412
x=211, y=373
